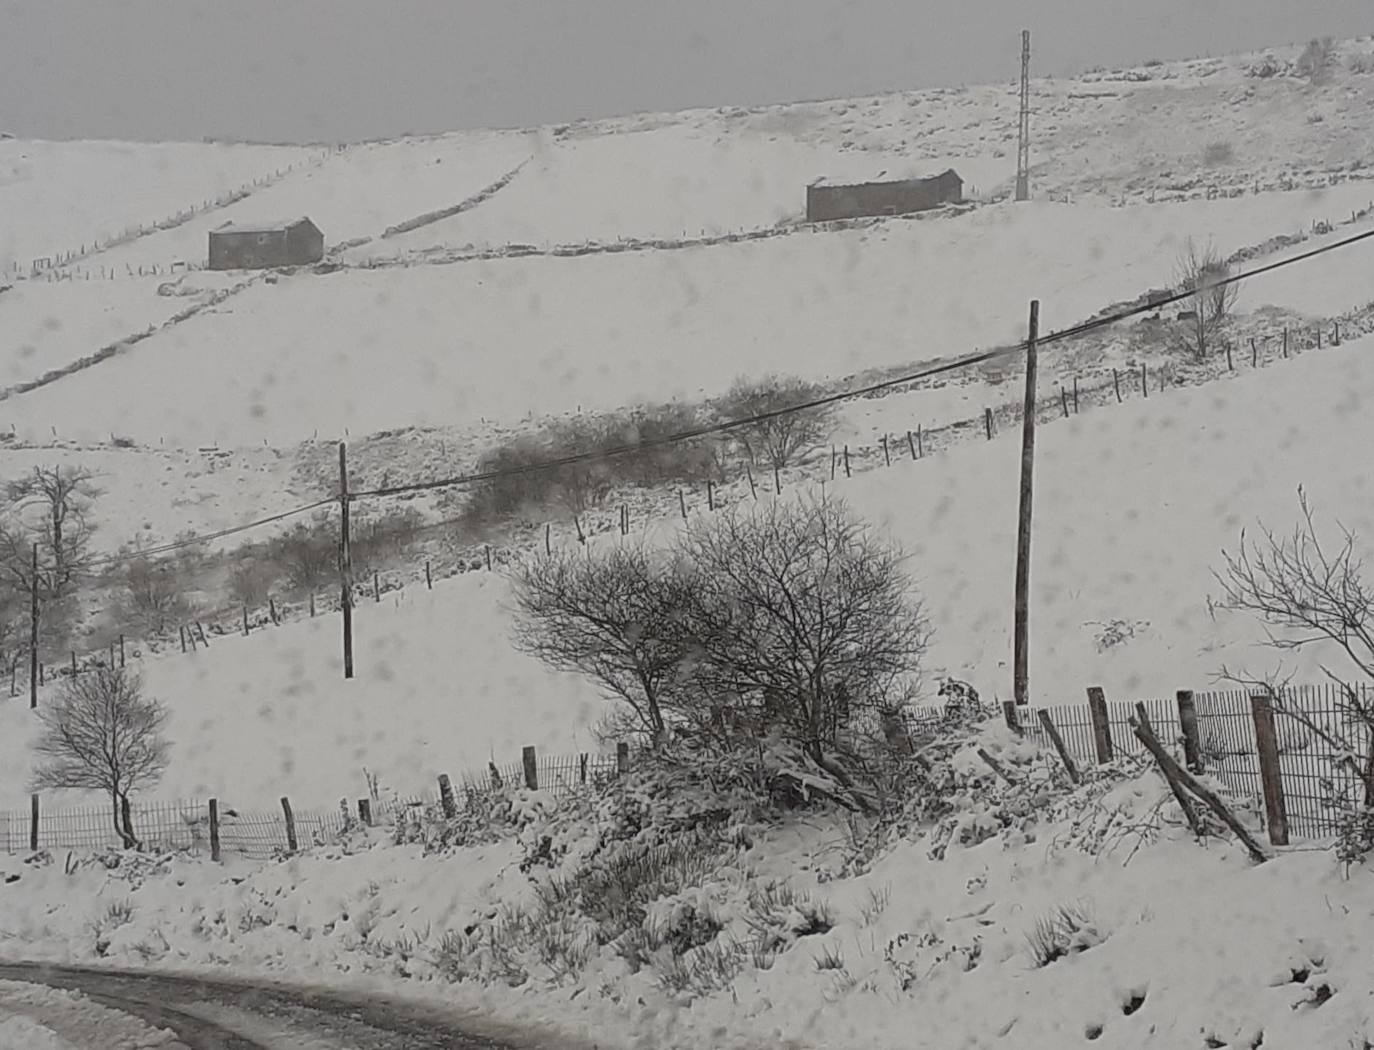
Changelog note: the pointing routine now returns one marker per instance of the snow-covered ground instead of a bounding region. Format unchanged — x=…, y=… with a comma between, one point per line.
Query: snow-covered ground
x=500, y=340
x=1179, y=944
x=56, y=197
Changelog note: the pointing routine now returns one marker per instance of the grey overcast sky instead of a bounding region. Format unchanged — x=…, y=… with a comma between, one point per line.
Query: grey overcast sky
x=327, y=70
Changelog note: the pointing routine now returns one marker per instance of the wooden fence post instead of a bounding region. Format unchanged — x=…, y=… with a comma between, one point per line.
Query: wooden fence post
x=121, y=650
x=1144, y=379
x=1064, y=400
x=681, y=506
x=429, y=579
x=911, y=444
x=622, y=758
x=1319, y=337
x=1254, y=353
x=1009, y=714
x=1052, y=731
x=446, y=801
x=847, y=472
x=1192, y=741
x=365, y=811
x=312, y=606
x=710, y=500
x=887, y=456
x=214, y=830
x=1075, y=395
x=1285, y=342
x=200, y=627
x=1102, y=729
x=245, y=621
x=33, y=823
x=181, y=630
x=753, y=489
x=290, y=824
x=777, y=481
x=530, y=761
x=376, y=585
x=582, y=768
x=488, y=557
x=1116, y=384
x=1230, y=365
x=73, y=663
x=1271, y=780
x=272, y=610
x=834, y=460
x=987, y=422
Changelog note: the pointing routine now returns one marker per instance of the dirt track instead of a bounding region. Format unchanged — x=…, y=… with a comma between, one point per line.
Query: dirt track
x=209, y=1014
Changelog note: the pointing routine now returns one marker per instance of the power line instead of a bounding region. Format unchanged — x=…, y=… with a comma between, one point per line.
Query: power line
x=707, y=430
x=191, y=541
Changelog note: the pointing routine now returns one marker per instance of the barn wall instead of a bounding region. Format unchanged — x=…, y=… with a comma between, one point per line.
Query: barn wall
x=826, y=203
x=305, y=244
x=248, y=251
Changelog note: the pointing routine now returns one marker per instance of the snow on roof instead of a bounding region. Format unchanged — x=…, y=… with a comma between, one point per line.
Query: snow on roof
x=260, y=226
x=884, y=176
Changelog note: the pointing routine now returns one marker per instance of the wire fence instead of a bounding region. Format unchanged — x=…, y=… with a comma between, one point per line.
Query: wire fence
x=260, y=834
x=1317, y=736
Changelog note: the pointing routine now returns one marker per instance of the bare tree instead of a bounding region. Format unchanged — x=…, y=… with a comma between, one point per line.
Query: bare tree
x=616, y=617
x=1317, y=61
x=309, y=553
x=782, y=436
x=58, y=500
x=101, y=734
x=153, y=593
x=1206, y=274
x=252, y=577
x=804, y=610
x=1308, y=594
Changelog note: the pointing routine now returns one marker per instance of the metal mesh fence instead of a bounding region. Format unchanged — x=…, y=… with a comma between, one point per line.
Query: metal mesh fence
x=1316, y=731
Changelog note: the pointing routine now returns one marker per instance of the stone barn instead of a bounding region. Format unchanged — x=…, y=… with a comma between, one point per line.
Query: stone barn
x=825, y=203
x=264, y=245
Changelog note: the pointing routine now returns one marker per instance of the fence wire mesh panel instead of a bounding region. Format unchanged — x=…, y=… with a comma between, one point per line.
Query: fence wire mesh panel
x=1318, y=735
x=1226, y=738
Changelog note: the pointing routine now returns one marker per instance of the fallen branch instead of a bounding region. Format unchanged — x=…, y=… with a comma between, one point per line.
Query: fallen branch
x=996, y=767
x=1147, y=737
x=1142, y=725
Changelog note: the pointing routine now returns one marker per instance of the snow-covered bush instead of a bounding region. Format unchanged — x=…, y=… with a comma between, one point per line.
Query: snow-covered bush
x=1067, y=930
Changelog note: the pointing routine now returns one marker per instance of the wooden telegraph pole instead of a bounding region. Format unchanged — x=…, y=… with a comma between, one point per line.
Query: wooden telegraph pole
x=33, y=631
x=1021, y=637
x=345, y=563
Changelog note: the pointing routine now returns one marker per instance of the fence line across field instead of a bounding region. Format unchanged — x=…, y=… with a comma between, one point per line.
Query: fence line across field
x=199, y=824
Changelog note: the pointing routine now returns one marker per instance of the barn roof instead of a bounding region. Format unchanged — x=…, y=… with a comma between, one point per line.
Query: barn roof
x=884, y=177
x=261, y=226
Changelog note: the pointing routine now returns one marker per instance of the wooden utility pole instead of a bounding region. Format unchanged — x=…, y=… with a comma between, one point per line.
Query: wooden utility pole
x=33, y=631
x=1021, y=636
x=345, y=563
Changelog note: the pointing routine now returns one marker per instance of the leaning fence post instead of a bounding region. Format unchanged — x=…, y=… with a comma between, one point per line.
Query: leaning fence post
x=446, y=796
x=1009, y=713
x=530, y=761
x=1102, y=730
x=365, y=811
x=214, y=830
x=33, y=823
x=1052, y=731
x=1271, y=780
x=1192, y=740
x=622, y=758
x=290, y=824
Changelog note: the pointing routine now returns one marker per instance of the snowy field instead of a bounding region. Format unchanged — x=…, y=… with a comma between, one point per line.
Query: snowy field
x=57, y=196
x=359, y=351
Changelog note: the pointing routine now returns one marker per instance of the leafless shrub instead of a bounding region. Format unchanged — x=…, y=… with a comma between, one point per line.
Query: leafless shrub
x=781, y=436
x=1065, y=931
x=1362, y=64
x=152, y=594
x=101, y=734
x=1205, y=273
x=1218, y=154
x=617, y=617
x=1317, y=61
x=308, y=554
x=252, y=576
x=575, y=464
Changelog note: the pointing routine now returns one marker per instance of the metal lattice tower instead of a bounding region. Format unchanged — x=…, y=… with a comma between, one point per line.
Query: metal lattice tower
x=1023, y=141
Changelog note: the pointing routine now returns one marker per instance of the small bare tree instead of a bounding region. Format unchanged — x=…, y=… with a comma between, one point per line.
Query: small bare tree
x=1308, y=594
x=310, y=554
x=616, y=617
x=100, y=733
x=782, y=436
x=57, y=501
x=252, y=577
x=1206, y=274
x=1317, y=61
